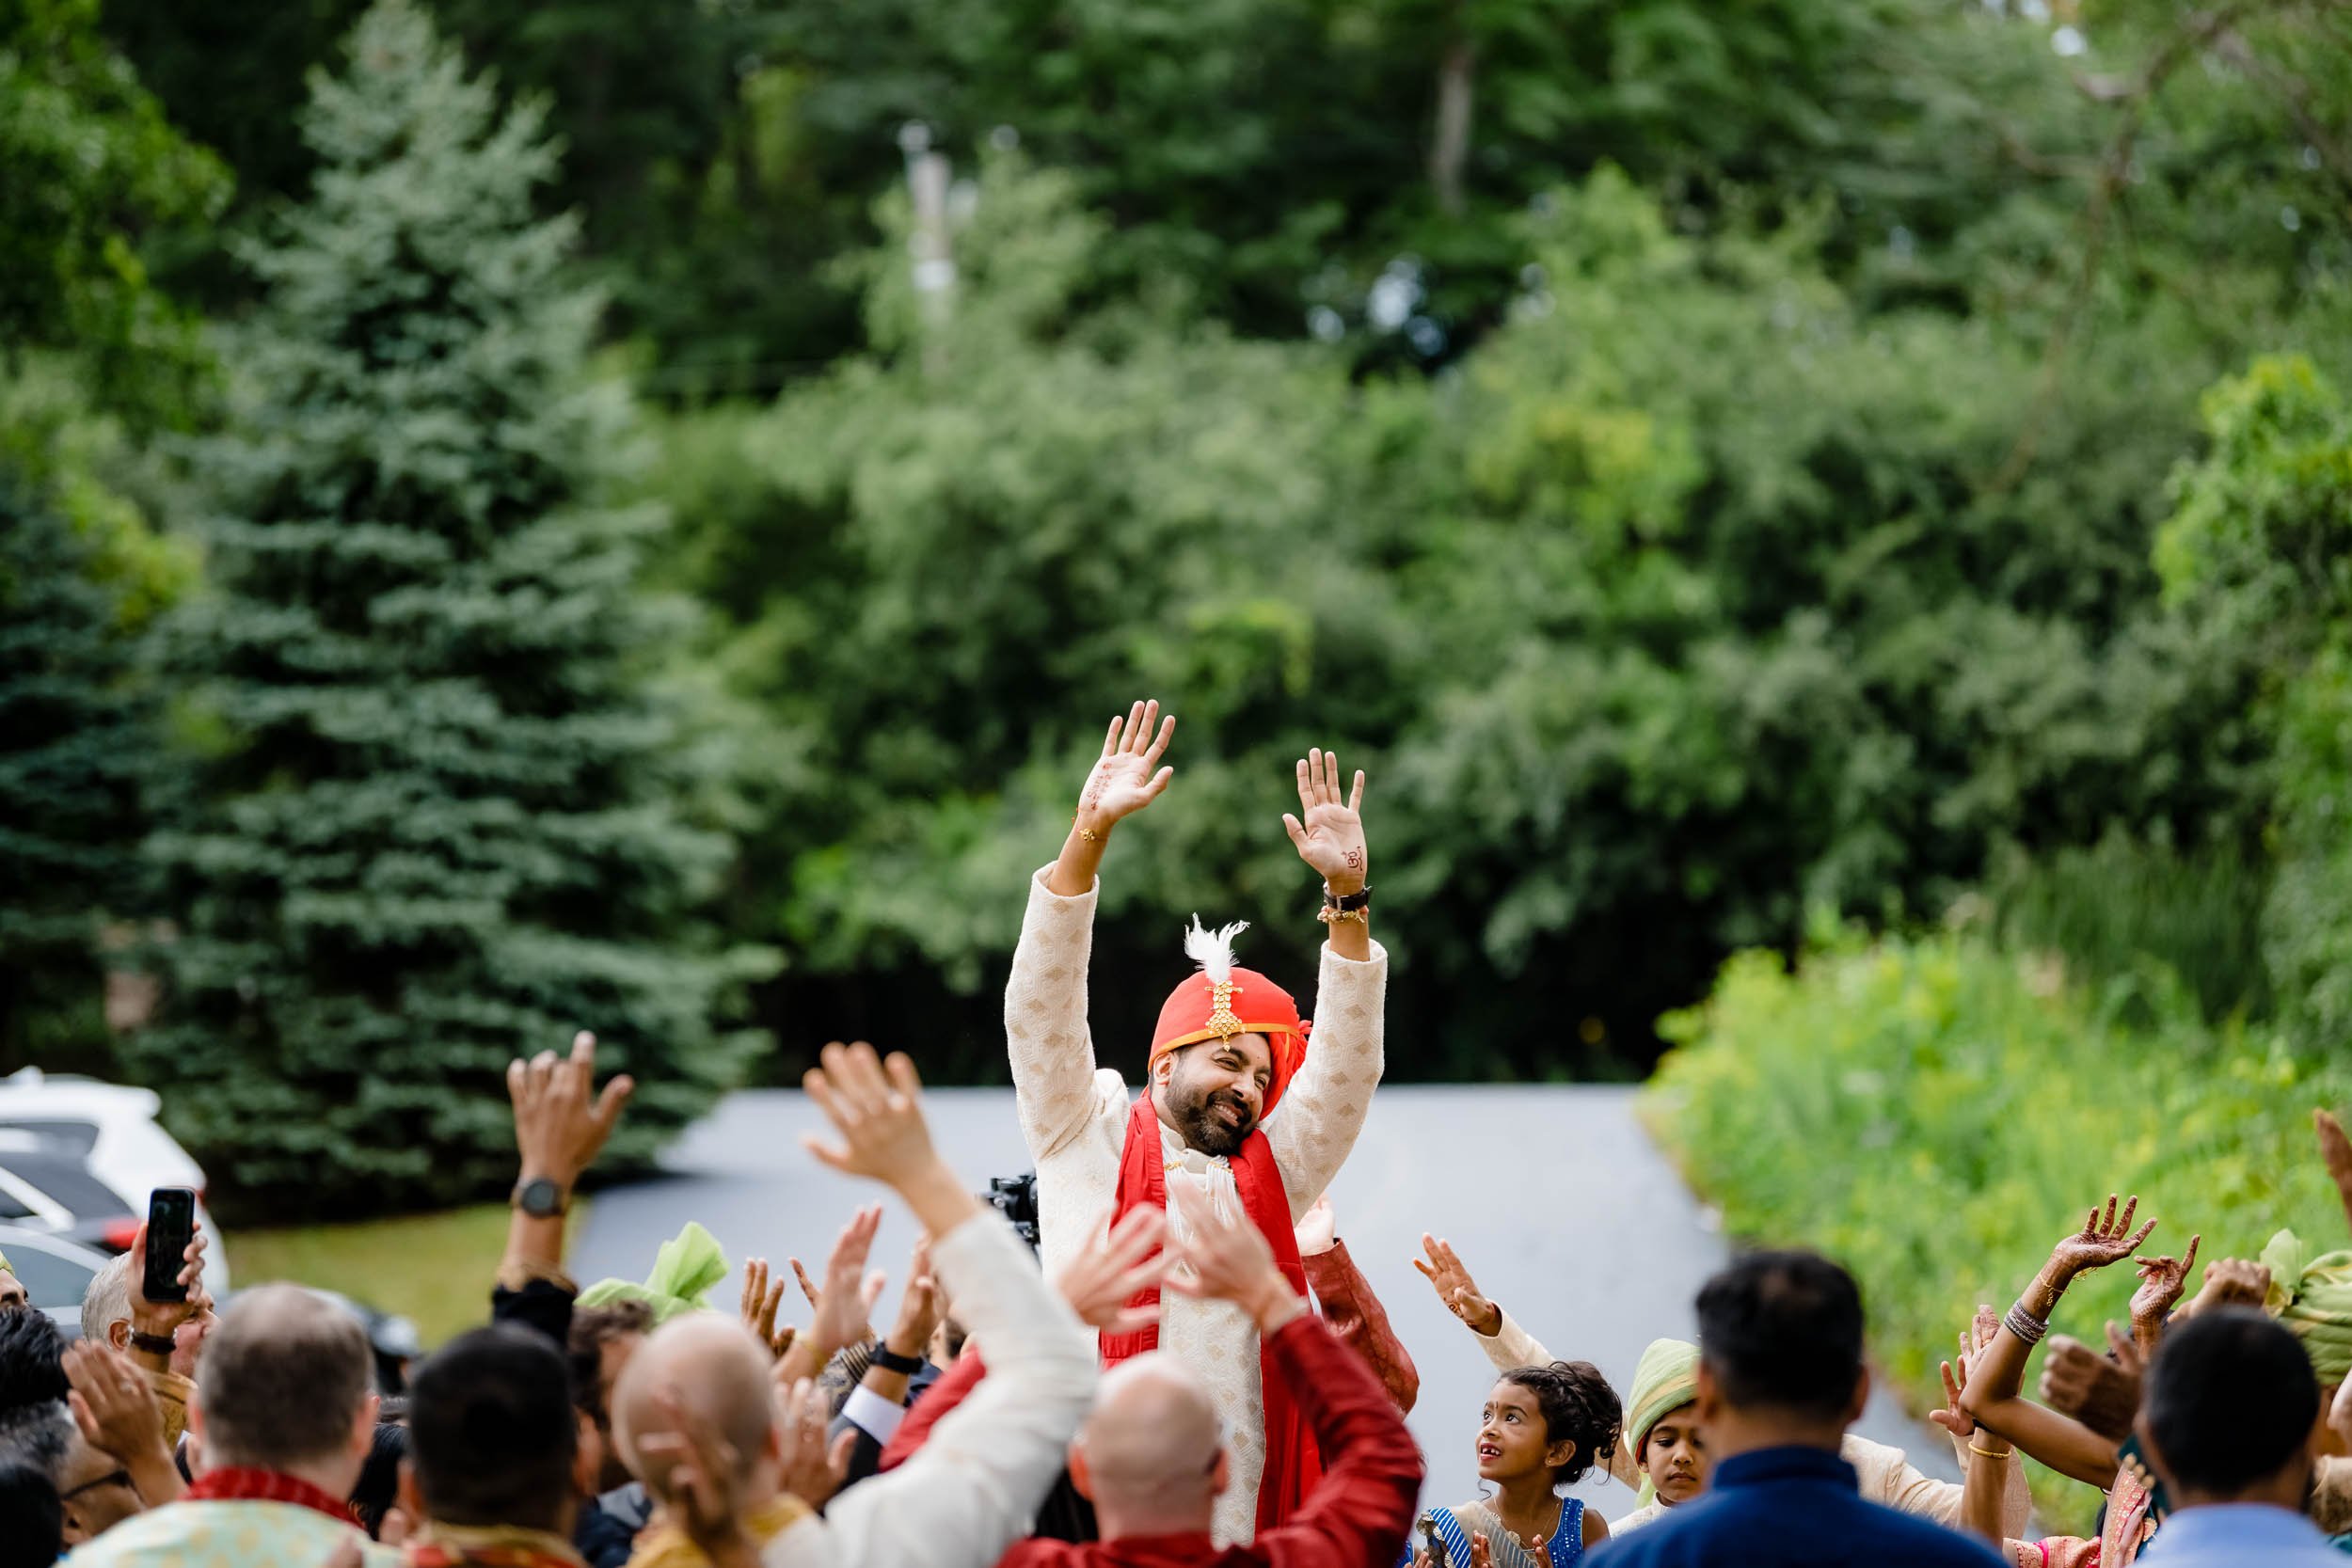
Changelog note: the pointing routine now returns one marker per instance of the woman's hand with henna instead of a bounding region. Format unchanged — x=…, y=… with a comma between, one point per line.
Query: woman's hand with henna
x=1124, y=780
x=2106, y=1238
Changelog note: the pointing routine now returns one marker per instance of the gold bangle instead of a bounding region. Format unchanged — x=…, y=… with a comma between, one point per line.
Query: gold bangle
x=1990, y=1453
x=1330, y=917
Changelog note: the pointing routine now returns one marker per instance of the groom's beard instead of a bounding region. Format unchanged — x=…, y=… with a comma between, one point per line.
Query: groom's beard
x=1196, y=1113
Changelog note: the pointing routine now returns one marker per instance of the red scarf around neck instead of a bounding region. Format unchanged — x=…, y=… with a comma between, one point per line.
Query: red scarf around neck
x=230, y=1483
x=1292, y=1464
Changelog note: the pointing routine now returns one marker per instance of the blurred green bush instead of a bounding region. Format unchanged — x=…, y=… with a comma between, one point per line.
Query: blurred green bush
x=1935, y=1111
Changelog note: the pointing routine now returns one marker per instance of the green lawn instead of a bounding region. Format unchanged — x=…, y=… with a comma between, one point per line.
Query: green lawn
x=434, y=1268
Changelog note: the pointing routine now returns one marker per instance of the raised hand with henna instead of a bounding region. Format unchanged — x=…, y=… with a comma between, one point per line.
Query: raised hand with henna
x=1126, y=777
x=2106, y=1238
x=1974, y=1341
x=1454, y=1287
x=2162, y=1282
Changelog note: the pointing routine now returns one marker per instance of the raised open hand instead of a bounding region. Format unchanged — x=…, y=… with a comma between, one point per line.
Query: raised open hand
x=560, y=1122
x=1127, y=777
x=2106, y=1238
x=877, y=1107
x=762, y=1296
x=845, y=1303
x=1455, y=1288
x=920, y=1305
x=113, y=1405
x=1330, y=837
x=2162, y=1282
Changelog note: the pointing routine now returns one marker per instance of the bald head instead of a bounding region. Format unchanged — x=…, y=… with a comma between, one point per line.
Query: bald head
x=1151, y=1453
x=286, y=1379
x=717, y=1369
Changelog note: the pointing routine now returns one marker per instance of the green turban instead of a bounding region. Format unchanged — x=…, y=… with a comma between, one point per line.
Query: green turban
x=683, y=1272
x=2313, y=1297
x=1666, y=1380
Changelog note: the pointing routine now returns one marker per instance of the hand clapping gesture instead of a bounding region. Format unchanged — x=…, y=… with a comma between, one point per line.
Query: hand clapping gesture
x=2162, y=1282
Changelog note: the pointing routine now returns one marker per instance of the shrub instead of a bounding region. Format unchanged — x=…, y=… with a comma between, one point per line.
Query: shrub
x=1934, y=1112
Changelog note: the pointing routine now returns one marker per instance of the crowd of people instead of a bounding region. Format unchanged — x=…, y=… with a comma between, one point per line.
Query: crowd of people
x=1182, y=1368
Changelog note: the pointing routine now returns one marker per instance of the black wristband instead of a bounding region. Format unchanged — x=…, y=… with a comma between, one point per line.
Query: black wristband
x=891, y=1361
x=1346, y=903
x=153, y=1344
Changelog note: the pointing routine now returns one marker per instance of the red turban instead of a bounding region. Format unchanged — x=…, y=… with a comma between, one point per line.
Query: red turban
x=1222, y=1000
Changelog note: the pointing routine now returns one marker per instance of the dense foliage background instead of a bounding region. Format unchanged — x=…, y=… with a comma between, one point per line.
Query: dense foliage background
x=534, y=521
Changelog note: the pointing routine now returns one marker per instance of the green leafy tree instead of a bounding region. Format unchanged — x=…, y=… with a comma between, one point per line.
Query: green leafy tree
x=88, y=165
x=443, y=817
x=2259, y=550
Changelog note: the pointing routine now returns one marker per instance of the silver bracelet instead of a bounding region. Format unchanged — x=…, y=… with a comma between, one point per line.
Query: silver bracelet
x=2025, y=1324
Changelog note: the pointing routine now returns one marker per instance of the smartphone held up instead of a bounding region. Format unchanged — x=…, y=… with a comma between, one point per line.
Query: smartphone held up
x=170, y=1227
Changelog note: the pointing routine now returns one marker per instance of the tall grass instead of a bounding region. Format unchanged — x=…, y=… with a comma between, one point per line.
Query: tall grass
x=1935, y=1112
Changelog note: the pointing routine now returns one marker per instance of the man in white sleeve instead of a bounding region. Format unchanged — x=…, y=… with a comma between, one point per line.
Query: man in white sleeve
x=1229, y=1048
x=694, y=1415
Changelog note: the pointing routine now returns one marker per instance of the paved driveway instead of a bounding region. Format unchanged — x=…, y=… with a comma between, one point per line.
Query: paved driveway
x=1604, y=1252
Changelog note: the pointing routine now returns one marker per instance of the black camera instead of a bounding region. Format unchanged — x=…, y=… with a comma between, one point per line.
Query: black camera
x=1015, y=1197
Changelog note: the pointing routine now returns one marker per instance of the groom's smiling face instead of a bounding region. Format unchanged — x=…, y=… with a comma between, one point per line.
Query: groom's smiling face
x=1212, y=1093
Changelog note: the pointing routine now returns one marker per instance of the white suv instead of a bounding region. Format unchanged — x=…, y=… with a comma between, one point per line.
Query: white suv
x=71, y=1146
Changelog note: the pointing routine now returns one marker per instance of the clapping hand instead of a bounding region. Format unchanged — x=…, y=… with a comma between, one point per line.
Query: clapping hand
x=1100, y=1281
x=1974, y=1340
x=1455, y=1288
x=2104, y=1238
x=1123, y=780
x=2102, y=1393
x=1225, y=1259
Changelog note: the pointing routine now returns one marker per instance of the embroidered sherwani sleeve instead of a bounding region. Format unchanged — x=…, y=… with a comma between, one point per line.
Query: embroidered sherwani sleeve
x=970, y=1491
x=1045, y=1020
x=1316, y=1124
x=1888, y=1476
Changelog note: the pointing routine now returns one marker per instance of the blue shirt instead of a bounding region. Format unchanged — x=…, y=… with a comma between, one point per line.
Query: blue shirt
x=2233, y=1533
x=1797, y=1507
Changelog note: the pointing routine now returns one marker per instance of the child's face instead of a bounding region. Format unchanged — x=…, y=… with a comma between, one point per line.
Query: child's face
x=1513, y=1440
x=1674, y=1457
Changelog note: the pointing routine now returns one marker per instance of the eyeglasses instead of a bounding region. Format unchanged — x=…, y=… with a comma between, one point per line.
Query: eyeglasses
x=112, y=1478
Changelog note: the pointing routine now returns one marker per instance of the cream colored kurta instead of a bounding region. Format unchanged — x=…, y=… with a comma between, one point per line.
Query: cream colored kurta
x=1074, y=1119
x=1886, y=1475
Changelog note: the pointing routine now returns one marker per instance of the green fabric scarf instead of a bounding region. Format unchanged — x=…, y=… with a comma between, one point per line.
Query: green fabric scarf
x=2313, y=1297
x=1666, y=1379
x=683, y=1272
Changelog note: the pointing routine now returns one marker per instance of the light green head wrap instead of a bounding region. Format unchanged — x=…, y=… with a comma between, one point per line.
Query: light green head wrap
x=2313, y=1297
x=1666, y=1379
x=683, y=1272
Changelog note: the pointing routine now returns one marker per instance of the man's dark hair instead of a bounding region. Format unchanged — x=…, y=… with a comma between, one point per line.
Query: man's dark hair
x=32, y=1361
x=2230, y=1396
x=1783, y=1330
x=593, y=1329
x=491, y=1435
x=32, y=1520
x=378, y=1487
x=284, y=1380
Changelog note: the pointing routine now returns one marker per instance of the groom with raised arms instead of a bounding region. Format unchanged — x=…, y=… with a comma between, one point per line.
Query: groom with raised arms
x=1230, y=1051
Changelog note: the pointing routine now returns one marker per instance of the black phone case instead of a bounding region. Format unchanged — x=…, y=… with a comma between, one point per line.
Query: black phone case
x=170, y=1227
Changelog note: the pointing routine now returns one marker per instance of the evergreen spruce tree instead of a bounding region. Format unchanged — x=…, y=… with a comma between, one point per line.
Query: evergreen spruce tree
x=78, y=756
x=445, y=819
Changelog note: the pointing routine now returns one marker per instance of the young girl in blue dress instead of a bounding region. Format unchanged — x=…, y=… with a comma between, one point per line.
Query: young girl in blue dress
x=1543, y=1429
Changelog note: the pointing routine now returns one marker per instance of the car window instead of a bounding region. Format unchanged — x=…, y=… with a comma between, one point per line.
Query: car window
x=63, y=1136
x=54, y=1283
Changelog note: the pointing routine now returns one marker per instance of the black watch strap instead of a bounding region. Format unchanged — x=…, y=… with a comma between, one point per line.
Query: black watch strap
x=891, y=1361
x=154, y=1344
x=1349, y=903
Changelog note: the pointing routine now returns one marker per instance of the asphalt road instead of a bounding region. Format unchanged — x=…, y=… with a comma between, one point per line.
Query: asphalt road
x=1602, y=1250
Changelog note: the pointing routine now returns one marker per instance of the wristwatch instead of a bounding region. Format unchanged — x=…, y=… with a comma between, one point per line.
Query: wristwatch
x=541, y=1198
x=891, y=1361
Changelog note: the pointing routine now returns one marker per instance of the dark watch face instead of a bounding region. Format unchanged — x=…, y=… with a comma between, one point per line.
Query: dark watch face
x=542, y=1197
